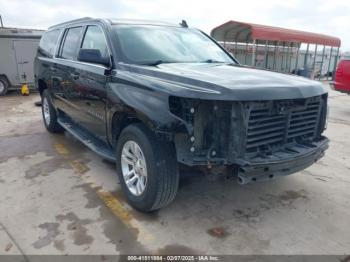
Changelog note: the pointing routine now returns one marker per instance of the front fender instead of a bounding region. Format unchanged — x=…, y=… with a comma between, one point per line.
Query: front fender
x=128, y=97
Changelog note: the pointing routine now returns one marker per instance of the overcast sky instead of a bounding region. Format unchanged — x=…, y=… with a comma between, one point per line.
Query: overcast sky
x=323, y=16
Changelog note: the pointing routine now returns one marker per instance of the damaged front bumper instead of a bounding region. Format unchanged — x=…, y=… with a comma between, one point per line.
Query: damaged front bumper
x=280, y=163
x=258, y=140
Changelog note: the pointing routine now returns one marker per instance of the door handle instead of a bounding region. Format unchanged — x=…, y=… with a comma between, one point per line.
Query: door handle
x=75, y=76
x=53, y=69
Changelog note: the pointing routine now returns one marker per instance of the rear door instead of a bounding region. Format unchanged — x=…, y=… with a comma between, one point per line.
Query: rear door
x=64, y=69
x=91, y=83
x=25, y=51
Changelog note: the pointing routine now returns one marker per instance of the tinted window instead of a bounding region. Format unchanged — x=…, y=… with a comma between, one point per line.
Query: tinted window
x=48, y=43
x=95, y=39
x=147, y=44
x=71, y=43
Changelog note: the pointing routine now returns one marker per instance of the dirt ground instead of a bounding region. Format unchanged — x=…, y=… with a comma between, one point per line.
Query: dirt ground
x=57, y=197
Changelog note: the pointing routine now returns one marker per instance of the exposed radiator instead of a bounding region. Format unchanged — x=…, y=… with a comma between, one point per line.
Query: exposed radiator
x=275, y=123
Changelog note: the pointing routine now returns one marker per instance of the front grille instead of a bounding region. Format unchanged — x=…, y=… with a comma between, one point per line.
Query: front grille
x=275, y=123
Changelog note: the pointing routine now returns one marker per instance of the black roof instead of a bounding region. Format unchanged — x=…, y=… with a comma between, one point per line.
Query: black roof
x=114, y=22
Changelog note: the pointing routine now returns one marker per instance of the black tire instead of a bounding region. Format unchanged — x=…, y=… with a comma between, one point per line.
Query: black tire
x=162, y=169
x=51, y=125
x=4, y=85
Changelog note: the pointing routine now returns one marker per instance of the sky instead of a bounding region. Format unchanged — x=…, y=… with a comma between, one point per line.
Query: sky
x=322, y=16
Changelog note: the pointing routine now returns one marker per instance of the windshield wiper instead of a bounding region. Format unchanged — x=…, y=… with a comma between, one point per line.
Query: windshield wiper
x=214, y=61
x=158, y=62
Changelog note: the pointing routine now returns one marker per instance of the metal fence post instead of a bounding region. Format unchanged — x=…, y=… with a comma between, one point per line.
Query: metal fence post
x=290, y=57
x=314, y=62
x=297, y=60
x=287, y=58
x=266, y=53
x=246, y=53
x=274, y=56
x=253, y=54
x=324, y=48
x=329, y=64
x=282, y=59
x=335, y=64
x=306, y=55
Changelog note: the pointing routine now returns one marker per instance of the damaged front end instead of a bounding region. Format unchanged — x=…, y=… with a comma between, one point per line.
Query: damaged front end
x=258, y=140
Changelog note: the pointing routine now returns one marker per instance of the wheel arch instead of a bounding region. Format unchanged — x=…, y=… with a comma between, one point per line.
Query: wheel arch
x=42, y=86
x=121, y=120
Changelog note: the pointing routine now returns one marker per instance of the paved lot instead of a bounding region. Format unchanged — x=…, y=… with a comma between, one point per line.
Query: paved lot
x=57, y=197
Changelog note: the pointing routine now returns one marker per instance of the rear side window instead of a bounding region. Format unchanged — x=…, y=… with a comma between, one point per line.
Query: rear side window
x=95, y=39
x=48, y=43
x=71, y=43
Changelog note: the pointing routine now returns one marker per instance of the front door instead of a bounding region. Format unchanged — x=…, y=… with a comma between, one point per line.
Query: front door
x=91, y=83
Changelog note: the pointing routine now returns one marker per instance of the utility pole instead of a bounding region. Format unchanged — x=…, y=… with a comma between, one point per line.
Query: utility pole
x=2, y=25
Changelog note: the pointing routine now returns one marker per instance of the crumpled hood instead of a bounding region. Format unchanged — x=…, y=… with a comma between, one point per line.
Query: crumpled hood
x=228, y=82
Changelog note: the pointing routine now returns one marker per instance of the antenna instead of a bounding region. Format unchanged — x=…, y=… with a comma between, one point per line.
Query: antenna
x=2, y=25
x=184, y=23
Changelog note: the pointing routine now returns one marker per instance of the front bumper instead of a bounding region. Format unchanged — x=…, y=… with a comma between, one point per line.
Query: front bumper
x=281, y=163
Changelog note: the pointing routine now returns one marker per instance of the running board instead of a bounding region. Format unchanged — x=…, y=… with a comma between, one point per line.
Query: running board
x=95, y=144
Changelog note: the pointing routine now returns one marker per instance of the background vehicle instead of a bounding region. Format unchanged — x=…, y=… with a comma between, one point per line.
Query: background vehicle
x=342, y=76
x=149, y=95
x=17, y=52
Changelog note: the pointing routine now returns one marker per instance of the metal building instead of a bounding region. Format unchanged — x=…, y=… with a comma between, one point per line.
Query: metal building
x=17, y=52
x=279, y=49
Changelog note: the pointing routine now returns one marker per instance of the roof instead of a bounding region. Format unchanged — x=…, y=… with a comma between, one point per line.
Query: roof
x=113, y=22
x=79, y=20
x=141, y=22
x=8, y=32
x=247, y=32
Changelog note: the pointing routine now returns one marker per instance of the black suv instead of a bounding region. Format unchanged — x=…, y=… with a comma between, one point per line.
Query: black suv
x=150, y=95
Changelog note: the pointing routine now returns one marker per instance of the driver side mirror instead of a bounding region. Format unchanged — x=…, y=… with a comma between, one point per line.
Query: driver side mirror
x=93, y=56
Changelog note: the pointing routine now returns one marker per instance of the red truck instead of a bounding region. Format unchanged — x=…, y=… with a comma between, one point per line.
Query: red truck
x=342, y=76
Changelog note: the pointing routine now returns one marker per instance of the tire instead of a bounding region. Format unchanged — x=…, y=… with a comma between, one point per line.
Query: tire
x=4, y=85
x=49, y=114
x=162, y=175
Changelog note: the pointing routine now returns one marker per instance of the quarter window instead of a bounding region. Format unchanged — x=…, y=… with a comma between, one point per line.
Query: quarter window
x=71, y=43
x=48, y=43
x=95, y=39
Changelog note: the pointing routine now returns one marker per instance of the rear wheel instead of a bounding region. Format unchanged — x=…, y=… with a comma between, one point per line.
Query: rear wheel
x=49, y=114
x=147, y=168
x=4, y=85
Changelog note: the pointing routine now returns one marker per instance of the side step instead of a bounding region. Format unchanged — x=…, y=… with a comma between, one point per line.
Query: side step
x=95, y=144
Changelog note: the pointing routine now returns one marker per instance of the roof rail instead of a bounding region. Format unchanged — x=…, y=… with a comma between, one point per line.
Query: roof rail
x=83, y=19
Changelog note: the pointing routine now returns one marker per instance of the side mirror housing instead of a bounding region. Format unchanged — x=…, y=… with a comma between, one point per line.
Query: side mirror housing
x=93, y=56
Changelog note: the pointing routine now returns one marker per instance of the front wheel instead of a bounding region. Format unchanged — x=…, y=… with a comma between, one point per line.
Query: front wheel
x=147, y=168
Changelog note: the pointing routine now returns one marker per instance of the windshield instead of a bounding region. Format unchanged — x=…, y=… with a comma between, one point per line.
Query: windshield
x=142, y=44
